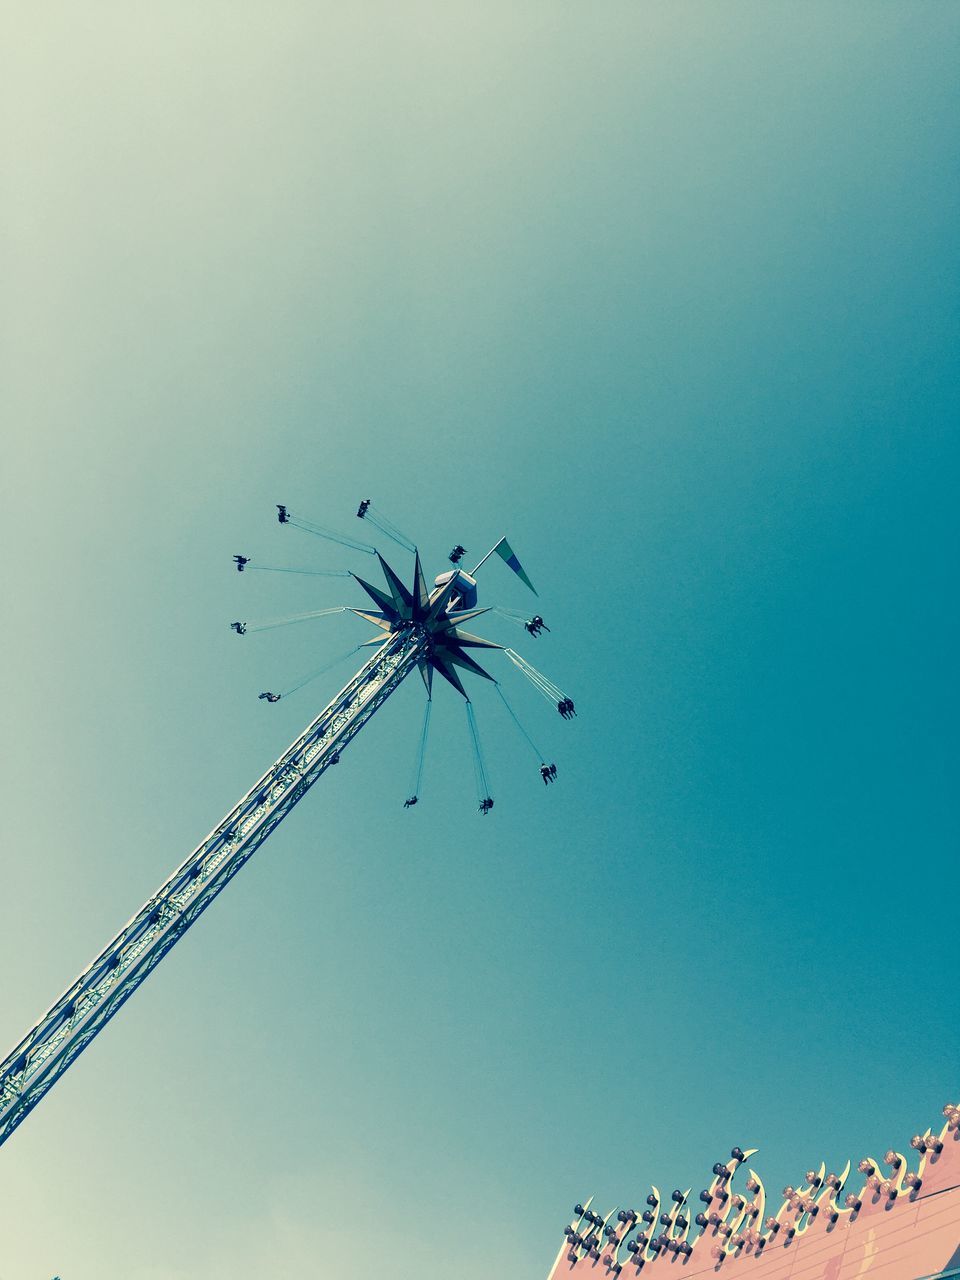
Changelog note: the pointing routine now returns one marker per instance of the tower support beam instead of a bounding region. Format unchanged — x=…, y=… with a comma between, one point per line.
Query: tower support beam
x=84, y=1009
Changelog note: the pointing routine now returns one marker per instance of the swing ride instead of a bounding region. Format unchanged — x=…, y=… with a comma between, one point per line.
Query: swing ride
x=418, y=628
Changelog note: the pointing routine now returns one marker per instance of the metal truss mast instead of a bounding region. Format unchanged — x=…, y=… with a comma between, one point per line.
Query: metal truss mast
x=84, y=1009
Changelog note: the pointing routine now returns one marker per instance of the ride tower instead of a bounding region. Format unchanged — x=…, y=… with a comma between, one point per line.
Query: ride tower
x=418, y=628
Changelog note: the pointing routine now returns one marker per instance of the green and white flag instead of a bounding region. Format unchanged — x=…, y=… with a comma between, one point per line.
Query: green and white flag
x=505, y=552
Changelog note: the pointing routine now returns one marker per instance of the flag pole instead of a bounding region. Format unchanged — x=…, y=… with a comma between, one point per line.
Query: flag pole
x=487, y=557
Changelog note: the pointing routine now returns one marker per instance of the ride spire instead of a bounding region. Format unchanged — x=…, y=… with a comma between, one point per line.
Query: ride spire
x=418, y=628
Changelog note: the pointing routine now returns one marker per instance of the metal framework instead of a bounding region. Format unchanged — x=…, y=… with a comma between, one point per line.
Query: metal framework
x=88, y=1004
x=418, y=629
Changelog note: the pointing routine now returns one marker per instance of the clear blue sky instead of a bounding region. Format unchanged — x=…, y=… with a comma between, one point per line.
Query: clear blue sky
x=667, y=294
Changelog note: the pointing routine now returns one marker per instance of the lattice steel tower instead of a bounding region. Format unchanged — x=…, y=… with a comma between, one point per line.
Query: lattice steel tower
x=419, y=628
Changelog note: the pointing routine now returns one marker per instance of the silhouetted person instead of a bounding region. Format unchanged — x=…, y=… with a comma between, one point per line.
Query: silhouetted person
x=486, y=805
x=282, y=515
x=408, y=804
x=457, y=554
x=240, y=561
x=239, y=627
x=363, y=508
x=270, y=697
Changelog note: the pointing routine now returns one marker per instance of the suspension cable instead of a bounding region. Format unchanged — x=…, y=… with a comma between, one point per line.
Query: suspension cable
x=421, y=752
x=271, y=623
x=327, y=666
x=511, y=615
x=552, y=692
x=377, y=518
x=316, y=573
x=480, y=773
x=320, y=531
x=516, y=720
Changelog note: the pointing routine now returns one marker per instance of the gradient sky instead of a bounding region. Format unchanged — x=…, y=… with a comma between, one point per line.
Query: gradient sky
x=667, y=294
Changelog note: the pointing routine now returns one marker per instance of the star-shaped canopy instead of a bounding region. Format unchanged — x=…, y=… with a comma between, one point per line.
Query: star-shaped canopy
x=426, y=611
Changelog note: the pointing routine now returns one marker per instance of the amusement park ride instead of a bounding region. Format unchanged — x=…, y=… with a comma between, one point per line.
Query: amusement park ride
x=419, y=628
x=893, y=1223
